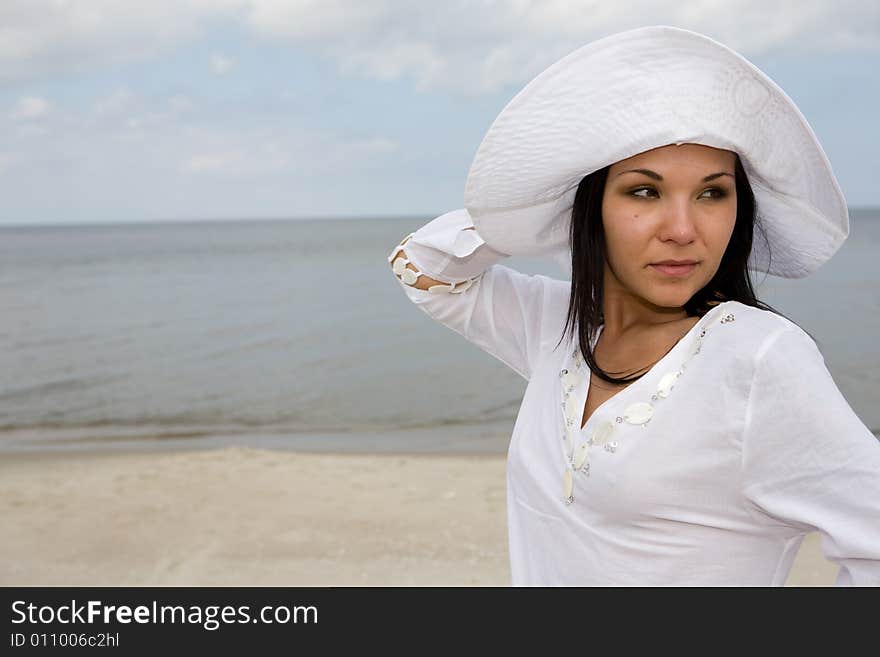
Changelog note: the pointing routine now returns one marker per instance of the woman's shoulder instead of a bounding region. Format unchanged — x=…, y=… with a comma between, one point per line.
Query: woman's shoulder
x=762, y=332
x=759, y=320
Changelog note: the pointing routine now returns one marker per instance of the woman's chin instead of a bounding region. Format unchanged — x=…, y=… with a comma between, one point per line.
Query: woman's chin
x=671, y=298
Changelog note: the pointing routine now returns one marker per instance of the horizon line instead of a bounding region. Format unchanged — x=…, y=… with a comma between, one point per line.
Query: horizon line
x=195, y=220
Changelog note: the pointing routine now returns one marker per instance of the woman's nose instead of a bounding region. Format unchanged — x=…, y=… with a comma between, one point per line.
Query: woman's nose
x=679, y=222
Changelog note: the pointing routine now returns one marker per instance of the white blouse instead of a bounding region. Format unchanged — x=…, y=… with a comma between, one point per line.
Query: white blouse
x=707, y=471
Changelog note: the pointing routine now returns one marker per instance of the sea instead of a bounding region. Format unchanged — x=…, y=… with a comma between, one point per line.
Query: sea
x=296, y=335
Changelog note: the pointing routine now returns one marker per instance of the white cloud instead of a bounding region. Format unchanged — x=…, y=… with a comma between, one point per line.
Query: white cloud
x=220, y=64
x=479, y=47
x=463, y=45
x=123, y=107
x=210, y=163
x=281, y=149
x=42, y=37
x=377, y=145
x=114, y=103
x=116, y=154
x=236, y=163
x=180, y=104
x=153, y=157
x=30, y=107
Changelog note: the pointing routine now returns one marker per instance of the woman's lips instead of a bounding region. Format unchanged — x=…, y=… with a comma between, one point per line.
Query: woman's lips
x=675, y=270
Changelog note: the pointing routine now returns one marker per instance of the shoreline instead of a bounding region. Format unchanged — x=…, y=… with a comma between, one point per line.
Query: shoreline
x=490, y=437
x=241, y=516
x=465, y=439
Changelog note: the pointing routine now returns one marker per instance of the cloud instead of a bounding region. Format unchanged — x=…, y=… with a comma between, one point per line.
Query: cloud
x=114, y=103
x=30, y=107
x=128, y=155
x=180, y=104
x=480, y=47
x=130, y=110
x=260, y=161
x=376, y=145
x=45, y=37
x=284, y=149
x=466, y=46
x=220, y=64
x=126, y=128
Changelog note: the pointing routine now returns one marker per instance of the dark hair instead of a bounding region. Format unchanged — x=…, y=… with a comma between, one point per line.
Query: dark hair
x=587, y=243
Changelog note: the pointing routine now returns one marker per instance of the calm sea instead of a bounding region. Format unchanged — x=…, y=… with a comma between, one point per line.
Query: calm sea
x=296, y=335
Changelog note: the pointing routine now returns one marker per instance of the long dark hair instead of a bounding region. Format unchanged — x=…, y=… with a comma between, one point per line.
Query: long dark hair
x=587, y=242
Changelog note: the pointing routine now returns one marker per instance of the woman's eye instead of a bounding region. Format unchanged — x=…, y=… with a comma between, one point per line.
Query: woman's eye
x=720, y=193
x=717, y=193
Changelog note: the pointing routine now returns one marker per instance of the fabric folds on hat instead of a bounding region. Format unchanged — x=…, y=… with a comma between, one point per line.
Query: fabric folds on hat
x=642, y=89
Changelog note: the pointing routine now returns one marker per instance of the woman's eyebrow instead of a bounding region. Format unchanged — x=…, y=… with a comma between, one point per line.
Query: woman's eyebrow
x=657, y=176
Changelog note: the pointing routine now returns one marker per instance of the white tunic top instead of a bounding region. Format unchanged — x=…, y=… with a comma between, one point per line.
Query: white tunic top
x=709, y=470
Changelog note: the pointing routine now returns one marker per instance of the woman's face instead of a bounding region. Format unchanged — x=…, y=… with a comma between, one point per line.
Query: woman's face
x=667, y=211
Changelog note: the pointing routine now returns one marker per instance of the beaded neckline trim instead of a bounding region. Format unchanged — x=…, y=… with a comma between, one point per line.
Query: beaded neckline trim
x=604, y=433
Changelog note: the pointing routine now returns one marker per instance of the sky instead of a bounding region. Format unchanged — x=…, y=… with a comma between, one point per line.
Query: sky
x=168, y=110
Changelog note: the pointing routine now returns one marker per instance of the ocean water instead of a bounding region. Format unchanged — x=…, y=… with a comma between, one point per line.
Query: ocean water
x=296, y=335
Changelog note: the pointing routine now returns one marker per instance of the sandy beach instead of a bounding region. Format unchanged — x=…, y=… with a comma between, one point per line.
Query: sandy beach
x=239, y=516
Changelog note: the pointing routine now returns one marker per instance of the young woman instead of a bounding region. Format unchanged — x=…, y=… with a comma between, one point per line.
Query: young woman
x=674, y=430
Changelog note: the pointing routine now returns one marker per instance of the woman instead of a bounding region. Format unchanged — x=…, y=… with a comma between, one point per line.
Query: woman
x=674, y=430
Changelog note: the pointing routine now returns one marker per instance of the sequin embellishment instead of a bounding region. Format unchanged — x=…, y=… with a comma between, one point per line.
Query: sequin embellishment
x=637, y=413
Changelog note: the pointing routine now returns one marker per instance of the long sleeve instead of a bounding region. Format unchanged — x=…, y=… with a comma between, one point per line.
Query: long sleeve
x=808, y=460
x=449, y=249
x=504, y=312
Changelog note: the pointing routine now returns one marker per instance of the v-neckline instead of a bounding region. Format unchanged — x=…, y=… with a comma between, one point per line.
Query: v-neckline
x=659, y=364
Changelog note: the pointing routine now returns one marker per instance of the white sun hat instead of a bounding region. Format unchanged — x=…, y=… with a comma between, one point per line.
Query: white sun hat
x=638, y=90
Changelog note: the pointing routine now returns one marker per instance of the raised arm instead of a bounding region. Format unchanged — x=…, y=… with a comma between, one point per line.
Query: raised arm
x=448, y=270
x=400, y=261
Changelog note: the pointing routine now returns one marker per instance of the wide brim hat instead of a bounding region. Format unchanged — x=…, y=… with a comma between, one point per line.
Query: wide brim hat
x=633, y=91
